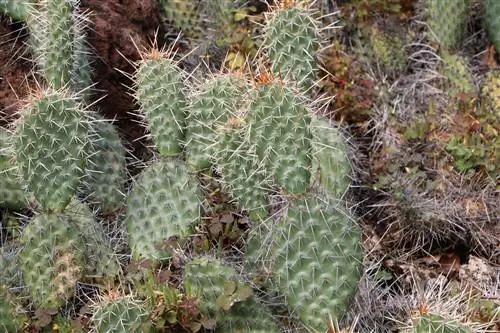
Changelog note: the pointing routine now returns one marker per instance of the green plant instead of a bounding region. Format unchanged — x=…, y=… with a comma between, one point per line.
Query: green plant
x=121, y=314
x=491, y=19
x=50, y=146
x=16, y=9
x=164, y=203
x=12, y=194
x=105, y=172
x=210, y=106
x=455, y=70
x=52, y=260
x=292, y=43
x=279, y=131
x=447, y=21
x=314, y=257
x=159, y=89
x=429, y=323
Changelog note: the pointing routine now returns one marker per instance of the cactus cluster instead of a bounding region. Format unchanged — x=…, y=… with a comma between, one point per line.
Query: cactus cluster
x=261, y=142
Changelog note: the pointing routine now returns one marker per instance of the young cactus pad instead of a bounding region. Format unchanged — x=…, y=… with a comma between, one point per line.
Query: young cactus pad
x=279, y=126
x=436, y=324
x=216, y=100
x=50, y=147
x=121, y=315
x=447, y=20
x=292, y=45
x=52, y=259
x=491, y=17
x=165, y=202
x=12, y=194
x=316, y=260
x=159, y=89
x=241, y=172
x=105, y=177
x=330, y=159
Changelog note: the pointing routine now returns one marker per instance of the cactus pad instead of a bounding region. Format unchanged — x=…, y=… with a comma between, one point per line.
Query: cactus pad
x=447, y=20
x=164, y=203
x=279, y=131
x=159, y=89
x=50, y=147
x=121, y=315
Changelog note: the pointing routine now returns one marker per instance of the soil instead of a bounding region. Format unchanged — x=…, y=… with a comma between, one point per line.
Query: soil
x=15, y=69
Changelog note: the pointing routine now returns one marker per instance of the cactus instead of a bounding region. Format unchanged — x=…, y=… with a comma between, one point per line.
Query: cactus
x=248, y=316
x=50, y=147
x=16, y=9
x=279, y=130
x=241, y=172
x=315, y=258
x=123, y=314
x=52, y=23
x=389, y=50
x=491, y=18
x=159, y=89
x=458, y=75
x=436, y=324
x=183, y=15
x=216, y=100
x=105, y=177
x=490, y=91
x=206, y=279
x=100, y=259
x=52, y=259
x=12, y=194
x=330, y=160
x=11, y=316
x=292, y=43
x=165, y=202
x=81, y=69
x=447, y=21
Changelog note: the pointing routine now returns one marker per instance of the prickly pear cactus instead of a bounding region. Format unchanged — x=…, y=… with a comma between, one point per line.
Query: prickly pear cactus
x=206, y=279
x=248, y=316
x=119, y=315
x=50, y=147
x=315, y=257
x=54, y=25
x=279, y=126
x=105, y=176
x=100, y=259
x=159, y=89
x=183, y=15
x=330, y=158
x=457, y=73
x=490, y=91
x=447, y=20
x=292, y=43
x=491, y=18
x=12, y=194
x=16, y=9
x=11, y=315
x=240, y=170
x=436, y=324
x=165, y=202
x=216, y=100
x=52, y=259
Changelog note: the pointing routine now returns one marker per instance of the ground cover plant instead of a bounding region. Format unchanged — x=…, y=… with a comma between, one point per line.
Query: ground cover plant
x=249, y=166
